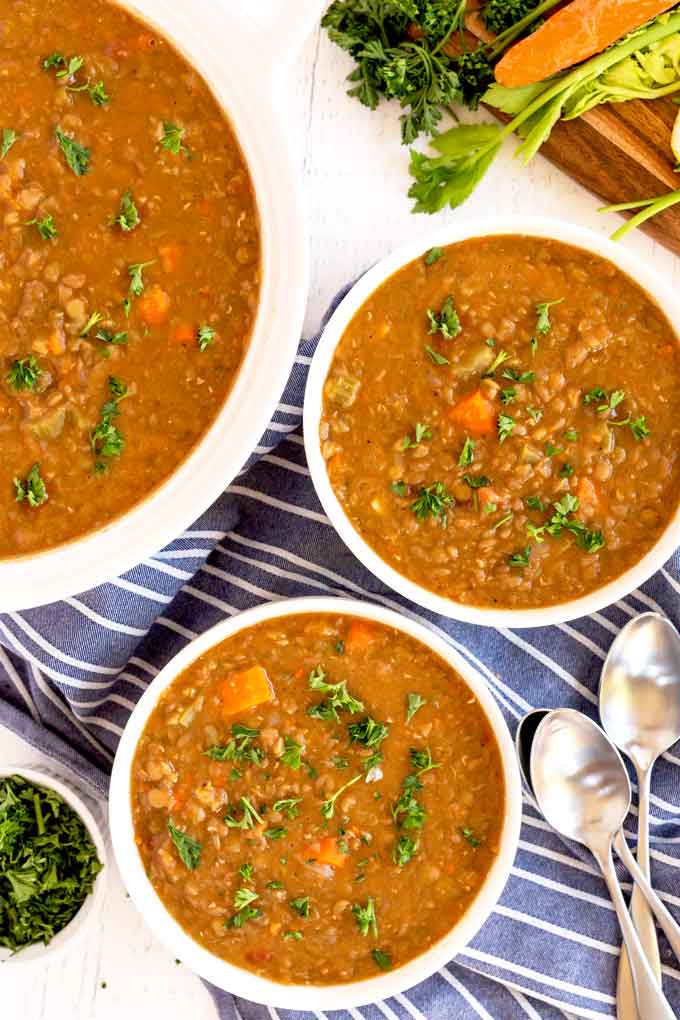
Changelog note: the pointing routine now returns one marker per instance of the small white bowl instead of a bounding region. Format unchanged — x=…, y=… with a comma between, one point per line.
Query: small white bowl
x=558, y=230
x=242, y=982
x=38, y=952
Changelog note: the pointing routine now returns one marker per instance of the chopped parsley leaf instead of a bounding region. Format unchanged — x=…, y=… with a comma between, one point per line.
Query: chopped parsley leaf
x=367, y=732
x=535, y=503
x=276, y=833
x=292, y=754
x=188, y=849
x=292, y=936
x=32, y=489
x=172, y=140
x=421, y=432
x=340, y=762
x=76, y=155
x=520, y=558
x=571, y=435
x=567, y=470
x=95, y=318
x=275, y=884
x=432, y=501
x=340, y=699
x=543, y=324
x=246, y=872
x=433, y=255
x=435, y=357
x=240, y=748
x=404, y=850
x=107, y=337
x=243, y=900
x=400, y=489
x=469, y=835
x=520, y=377
x=366, y=917
x=328, y=806
x=408, y=812
x=467, y=454
x=503, y=520
x=382, y=959
x=128, y=216
x=499, y=360
x=24, y=373
x=46, y=227
x=447, y=322
x=300, y=906
x=551, y=450
x=508, y=395
x=287, y=806
x=535, y=413
x=7, y=140
x=506, y=425
x=249, y=819
x=205, y=337
x=489, y=508
x=414, y=702
x=476, y=481
x=421, y=760
x=340, y=646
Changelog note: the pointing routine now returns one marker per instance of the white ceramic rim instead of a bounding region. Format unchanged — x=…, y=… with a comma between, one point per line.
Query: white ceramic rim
x=202, y=33
x=244, y=983
x=463, y=230
x=63, y=941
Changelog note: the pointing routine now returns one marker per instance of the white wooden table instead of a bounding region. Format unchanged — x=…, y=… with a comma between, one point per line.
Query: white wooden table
x=356, y=177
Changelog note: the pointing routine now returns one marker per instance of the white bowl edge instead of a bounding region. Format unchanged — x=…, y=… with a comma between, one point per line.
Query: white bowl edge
x=242, y=982
x=462, y=230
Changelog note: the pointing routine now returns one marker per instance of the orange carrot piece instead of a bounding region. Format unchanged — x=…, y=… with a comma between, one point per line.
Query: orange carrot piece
x=587, y=494
x=244, y=690
x=360, y=635
x=184, y=333
x=169, y=255
x=326, y=851
x=576, y=32
x=154, y=305
x=475, y=413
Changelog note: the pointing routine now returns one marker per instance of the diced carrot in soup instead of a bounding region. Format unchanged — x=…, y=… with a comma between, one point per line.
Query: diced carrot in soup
x=244, y=690
x=326, y=851
x=476, y=413
x=184, y=333
x=587, y=494
x=360, y=635
x=154, y=306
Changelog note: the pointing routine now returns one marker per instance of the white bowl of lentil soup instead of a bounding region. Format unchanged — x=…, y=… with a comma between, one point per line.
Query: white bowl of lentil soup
x=316, y=804
x=155, y=270
x=492, y=421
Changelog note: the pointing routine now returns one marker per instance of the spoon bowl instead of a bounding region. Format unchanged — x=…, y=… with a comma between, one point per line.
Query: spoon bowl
x=524, y=738
x=640, y=689
x=579, y=778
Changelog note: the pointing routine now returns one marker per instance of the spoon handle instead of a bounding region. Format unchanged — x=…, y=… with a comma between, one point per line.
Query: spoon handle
x=670, y=928
x=650, y=999
x=639, y=909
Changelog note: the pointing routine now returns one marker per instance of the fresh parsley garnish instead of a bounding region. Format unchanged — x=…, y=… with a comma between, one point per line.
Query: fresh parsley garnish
x=249, y=818
x=108, y=337
x=188, y=849
x=447, y=322
x=367, y=732
x=467, y=454
x=421, y=432
x=340, y=762
x=421, y=760
x=243, y=900
x=366, y=917
x=433, y=255
x=399, y=489
x=535, y=413
x=128, y=215
x=241, y=748
x=94, y=319
x=435, y=357
x=413, y=703
x=520, y=558
x=277, y=833
x=300, y=906
x=32, y=488
x=404, y=850
x=567, y=470
x=76, y=155
x=292, y=754
x=328, y=806
x=499, y=360
x=551, y=450
x=505, y=426
x=408, y=812
x=287, y=806
x=46, y=227
x=340, y=699
x=24, y=373
x=172, y=140
x=292, y=936
x=543, y=323
x=521, y=377
x=382, y=959
x=433, y=501
x=136, y=274
x=504, y=520
x=535, y=503
x=7, y=139
x=508, y=395
x=246, y=871
x=476, y=481
x=205, y=337
x=106, y=439
x=571, y=435
x=469, y=835
x=562, y=520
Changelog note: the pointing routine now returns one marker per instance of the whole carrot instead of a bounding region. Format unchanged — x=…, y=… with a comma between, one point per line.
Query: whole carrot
x=578, y=31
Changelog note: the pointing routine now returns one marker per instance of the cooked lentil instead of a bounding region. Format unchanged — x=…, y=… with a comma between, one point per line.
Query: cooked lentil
x=492, y=428
x=129, y=249
x=335, y=793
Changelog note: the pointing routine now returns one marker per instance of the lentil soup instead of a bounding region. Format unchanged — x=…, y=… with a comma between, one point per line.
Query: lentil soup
x=130, y=255
x=500, y=422
x=318, y=798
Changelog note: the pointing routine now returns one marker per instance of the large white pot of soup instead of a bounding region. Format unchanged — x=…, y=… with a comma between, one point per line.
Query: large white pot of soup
x=155, y=274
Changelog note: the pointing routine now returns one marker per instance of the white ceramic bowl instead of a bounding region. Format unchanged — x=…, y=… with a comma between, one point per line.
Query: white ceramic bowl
x=68, y=937
x=462, y=230
x=243, y=982
x=243, y=64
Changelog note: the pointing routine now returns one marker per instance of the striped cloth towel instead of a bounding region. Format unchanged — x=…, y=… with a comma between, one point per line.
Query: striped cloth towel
x=70, y=674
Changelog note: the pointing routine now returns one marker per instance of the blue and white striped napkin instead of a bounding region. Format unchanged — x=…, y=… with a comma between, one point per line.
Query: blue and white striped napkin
x=70, y=674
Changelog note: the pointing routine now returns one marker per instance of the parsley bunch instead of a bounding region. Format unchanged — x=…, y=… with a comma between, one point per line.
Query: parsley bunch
x=48, y=863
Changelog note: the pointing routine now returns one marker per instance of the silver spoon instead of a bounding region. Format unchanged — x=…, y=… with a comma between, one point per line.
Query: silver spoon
x=640, y=711
x=582, y=787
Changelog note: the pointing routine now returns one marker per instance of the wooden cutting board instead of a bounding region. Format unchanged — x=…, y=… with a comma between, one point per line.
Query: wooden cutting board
x=620, y=152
